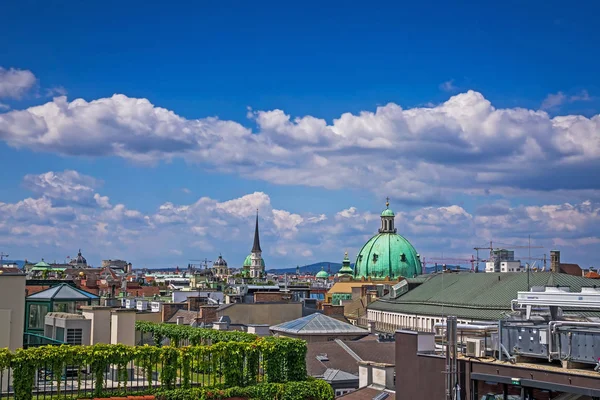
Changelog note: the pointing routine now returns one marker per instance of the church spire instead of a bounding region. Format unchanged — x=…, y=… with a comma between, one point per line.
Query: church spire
x=256, y=246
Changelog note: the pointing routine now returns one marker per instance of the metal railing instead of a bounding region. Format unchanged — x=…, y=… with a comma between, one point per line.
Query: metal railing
x=35, y=340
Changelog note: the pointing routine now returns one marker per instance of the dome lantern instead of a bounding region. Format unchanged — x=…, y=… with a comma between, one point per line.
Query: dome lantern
x=387, y=219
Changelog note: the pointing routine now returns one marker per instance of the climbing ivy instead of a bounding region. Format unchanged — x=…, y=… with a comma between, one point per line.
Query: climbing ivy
x=195, y=336
x=243, y=361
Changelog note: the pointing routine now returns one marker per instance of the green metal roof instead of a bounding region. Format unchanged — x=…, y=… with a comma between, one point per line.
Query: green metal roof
x=43, y=264
x=346, y=268
x=473, y=295
x=387, y=213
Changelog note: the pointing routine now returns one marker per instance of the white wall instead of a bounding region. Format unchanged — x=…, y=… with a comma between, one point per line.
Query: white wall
x=12, y=307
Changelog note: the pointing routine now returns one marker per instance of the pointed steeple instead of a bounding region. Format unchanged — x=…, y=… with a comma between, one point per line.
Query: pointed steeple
x=256, y=246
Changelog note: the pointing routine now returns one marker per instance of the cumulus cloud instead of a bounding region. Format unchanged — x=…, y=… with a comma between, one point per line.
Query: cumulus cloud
x=418, y=156
x=14, y=83
x=45, y=226
x=66, y=186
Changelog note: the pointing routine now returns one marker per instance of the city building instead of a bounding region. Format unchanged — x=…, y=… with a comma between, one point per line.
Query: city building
x=79, y=261
x=337, y=361
x=220, y=269
x=546, y=348
x=254, y=264
x=60, y=298
x=471, y=297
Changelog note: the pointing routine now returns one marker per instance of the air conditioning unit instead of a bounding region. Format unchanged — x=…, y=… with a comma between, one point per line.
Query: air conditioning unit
x=475, y=347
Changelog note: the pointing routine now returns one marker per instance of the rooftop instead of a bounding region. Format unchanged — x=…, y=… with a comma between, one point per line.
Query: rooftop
x=63, y=292
x=317, y=324
x=485, y=296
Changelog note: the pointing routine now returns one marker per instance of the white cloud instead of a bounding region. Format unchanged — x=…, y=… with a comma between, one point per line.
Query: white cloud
x=174, y=231
x=67, y=186
x=56, y=91
x=448, y=86
x=15, y=83
x=554, y=100
x=416, y=155
x=4, y=107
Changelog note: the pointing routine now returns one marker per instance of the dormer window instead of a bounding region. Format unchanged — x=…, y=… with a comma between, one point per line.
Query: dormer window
x=375, y=257
x=403, y=257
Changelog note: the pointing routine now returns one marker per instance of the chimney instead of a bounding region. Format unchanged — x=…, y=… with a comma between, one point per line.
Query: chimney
x=122, y=326
x=100, y=325
x=382, y=375
x=555, y=261
x=365, y=374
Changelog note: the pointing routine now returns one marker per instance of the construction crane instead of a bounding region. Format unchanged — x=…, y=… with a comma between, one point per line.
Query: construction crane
x=491, y=248
x=448, y=260
x=2, y=255
x=202, y=263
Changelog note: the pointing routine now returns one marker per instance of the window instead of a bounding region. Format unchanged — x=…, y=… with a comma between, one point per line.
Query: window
x=403, y=257
x=74, y=336
x=37, y=315
x=66, y=307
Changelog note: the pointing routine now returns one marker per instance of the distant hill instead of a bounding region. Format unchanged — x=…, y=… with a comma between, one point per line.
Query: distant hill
x=310, y=269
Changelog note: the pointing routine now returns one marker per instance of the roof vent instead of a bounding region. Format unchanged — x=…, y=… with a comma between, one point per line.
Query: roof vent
x=322, y=357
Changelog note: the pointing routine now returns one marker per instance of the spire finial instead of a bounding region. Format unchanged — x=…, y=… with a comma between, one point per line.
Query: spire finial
x=345, y=254
x=387, y=202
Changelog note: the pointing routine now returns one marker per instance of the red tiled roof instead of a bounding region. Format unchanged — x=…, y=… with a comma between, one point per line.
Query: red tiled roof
x=571, y=269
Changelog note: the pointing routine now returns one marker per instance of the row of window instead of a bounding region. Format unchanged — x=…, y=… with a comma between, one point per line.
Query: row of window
x=407, y=321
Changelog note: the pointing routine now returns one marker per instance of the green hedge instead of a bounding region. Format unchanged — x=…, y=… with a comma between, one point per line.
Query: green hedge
x=304, y=390
x=311, y=389
x=195, y=336
x=237, y=363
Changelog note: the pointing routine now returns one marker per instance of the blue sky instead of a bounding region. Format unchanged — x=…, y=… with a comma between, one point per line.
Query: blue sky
x=479, y=122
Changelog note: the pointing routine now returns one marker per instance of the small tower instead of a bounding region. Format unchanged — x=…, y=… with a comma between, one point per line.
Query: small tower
x=345, y=273
x=387, y=219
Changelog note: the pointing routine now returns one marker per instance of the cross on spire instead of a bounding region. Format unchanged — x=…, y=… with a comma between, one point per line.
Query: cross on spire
x=387, y=202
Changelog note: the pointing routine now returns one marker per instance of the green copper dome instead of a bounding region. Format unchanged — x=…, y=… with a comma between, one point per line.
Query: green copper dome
x=248, y=261
x=387, y=213
x=322, y=274
x=387, y=254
